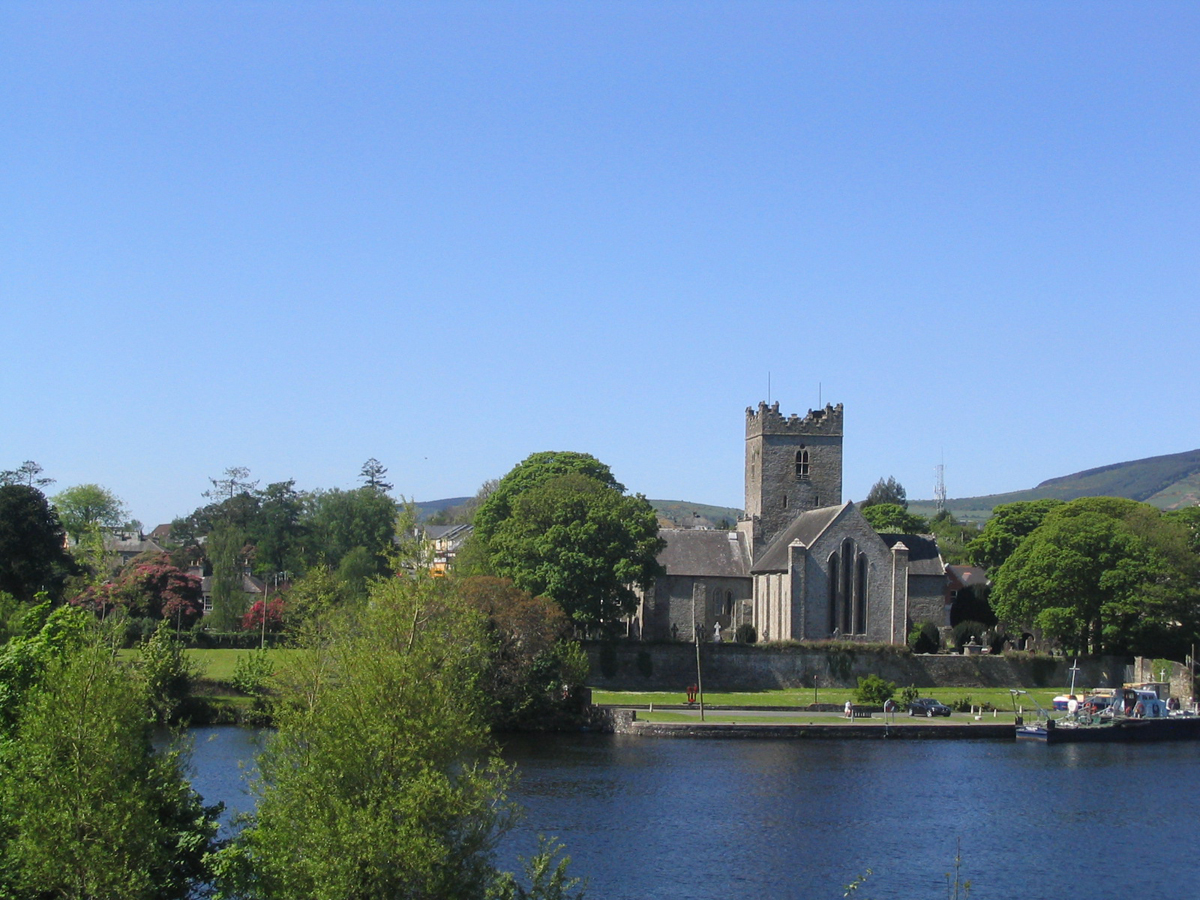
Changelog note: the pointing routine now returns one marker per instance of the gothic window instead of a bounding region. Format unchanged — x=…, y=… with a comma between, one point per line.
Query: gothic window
x=848, y=590
x=802, y=462
x=728, y=611
x=860, y=596
x=834, y=569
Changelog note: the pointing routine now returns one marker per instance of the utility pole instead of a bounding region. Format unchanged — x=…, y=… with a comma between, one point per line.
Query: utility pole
x=696, y=638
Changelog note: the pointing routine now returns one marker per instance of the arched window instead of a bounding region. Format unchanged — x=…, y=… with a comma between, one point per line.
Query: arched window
x=834, y=569
x=848, y=590
x=860, y=596
x=728, y=603
x=802, y=462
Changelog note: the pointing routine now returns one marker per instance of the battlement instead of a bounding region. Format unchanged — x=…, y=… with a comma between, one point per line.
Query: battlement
x=767, y=420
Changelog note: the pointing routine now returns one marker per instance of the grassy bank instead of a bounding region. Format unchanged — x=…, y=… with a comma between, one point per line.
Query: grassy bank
x=1000, y=698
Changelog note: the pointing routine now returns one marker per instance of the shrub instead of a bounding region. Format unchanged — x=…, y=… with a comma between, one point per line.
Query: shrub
x=746, y=634
x=924, y=638
x=167, y=674
x=909, y=694
x=251, y=672
x=873, y=690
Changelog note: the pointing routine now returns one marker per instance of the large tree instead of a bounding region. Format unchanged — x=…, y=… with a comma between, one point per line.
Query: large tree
x=379, y=781
x=891, y=518
x=86, y=507
x=279, y=529
x=1103, y=573
x=560, y=525
x=886, y=490
x=226, y=550
x=32, y=557
x=88, y=807
x=1009, y=524
x=342, y=520
x=535, y=666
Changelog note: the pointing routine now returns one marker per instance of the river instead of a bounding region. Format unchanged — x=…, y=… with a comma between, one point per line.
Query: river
x=661, y=818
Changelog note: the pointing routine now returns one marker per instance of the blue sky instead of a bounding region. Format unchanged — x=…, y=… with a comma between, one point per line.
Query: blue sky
x=295, y=236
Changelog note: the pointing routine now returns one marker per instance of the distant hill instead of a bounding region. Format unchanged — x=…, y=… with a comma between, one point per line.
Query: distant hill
x=674, y=512
x=679, y=512
x=1167, y=482
x=430, y=507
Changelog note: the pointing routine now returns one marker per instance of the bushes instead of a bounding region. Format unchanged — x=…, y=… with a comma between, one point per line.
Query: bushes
x=924, y=638
x=746, y=634
x=873, y=691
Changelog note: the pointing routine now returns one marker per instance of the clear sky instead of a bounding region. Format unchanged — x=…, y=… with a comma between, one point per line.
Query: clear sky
x=292, y=236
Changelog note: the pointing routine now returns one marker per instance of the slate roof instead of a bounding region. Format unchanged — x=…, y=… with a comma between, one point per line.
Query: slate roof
x=924, y=558
x=704, y=553
x=450, y=532
x=967, y=576
x=806, y=528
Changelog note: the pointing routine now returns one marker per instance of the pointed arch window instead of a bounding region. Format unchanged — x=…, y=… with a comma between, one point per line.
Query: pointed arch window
x=802, y=462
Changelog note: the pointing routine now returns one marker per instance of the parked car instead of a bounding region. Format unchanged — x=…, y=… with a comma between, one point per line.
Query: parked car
x=928, y=707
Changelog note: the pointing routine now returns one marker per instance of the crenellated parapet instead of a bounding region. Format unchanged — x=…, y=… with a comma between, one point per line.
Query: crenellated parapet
x=767, y=420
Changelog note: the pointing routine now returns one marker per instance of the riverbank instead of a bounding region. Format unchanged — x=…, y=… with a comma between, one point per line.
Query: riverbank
x=753, y=725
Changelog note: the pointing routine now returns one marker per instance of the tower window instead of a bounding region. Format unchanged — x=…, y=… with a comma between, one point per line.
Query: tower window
x=802, y=463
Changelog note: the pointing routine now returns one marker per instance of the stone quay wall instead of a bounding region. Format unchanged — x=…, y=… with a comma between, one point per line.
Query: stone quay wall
x=671, y=666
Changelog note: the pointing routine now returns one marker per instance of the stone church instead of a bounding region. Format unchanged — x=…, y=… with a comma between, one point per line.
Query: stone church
x=802, y=565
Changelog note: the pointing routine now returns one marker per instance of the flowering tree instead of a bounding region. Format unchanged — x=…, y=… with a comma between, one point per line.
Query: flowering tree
x=150, y=588
x=272, y=609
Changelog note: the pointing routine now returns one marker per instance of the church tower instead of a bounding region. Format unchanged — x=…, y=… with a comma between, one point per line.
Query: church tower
x=793, y=465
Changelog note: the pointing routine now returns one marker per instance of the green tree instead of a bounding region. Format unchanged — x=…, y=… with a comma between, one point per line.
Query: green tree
x=1189, y=518
x=225, y=549
x=1009, y=524
x=536, y=469
x=88, y=808
x=380, y=780
x=86, y=507
x=166, y=672
x=886, y=490
x=373, y=474
x=1081, y=578
x=342, y=520
x=572, y=537
x=889, y=518
x=355, y=572
x=278, y=529
x=535, y=666
x=32, y=557
x=28, y=473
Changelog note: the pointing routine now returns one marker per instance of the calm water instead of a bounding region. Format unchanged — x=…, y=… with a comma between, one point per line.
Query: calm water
x=646, y=818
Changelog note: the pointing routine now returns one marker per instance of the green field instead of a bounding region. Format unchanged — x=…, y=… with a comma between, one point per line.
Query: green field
x=997, y=697
x=218, y=665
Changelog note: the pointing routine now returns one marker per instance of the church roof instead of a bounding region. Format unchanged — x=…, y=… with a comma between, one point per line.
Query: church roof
x=924, y=558
x=806, y=528
x=711, y=553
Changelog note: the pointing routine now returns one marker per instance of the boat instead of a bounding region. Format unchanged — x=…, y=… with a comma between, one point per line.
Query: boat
x=1128, y=716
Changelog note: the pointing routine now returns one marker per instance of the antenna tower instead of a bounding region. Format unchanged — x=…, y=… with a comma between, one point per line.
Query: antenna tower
x=939, y=486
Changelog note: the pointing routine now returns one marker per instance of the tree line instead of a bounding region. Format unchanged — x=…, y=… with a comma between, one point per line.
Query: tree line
x=381, y=778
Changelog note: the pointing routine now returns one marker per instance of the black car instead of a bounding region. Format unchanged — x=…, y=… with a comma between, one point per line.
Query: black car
x=928, y=707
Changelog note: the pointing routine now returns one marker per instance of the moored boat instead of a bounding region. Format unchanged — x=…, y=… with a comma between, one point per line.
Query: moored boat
x=1132, y=716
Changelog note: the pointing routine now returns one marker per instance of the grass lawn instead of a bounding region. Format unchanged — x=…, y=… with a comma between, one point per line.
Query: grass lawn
x=749, y=718
x=218, y=665
x=997, y=697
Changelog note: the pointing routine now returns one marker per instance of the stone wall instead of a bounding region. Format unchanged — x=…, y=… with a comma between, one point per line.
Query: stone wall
x=635, y=666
